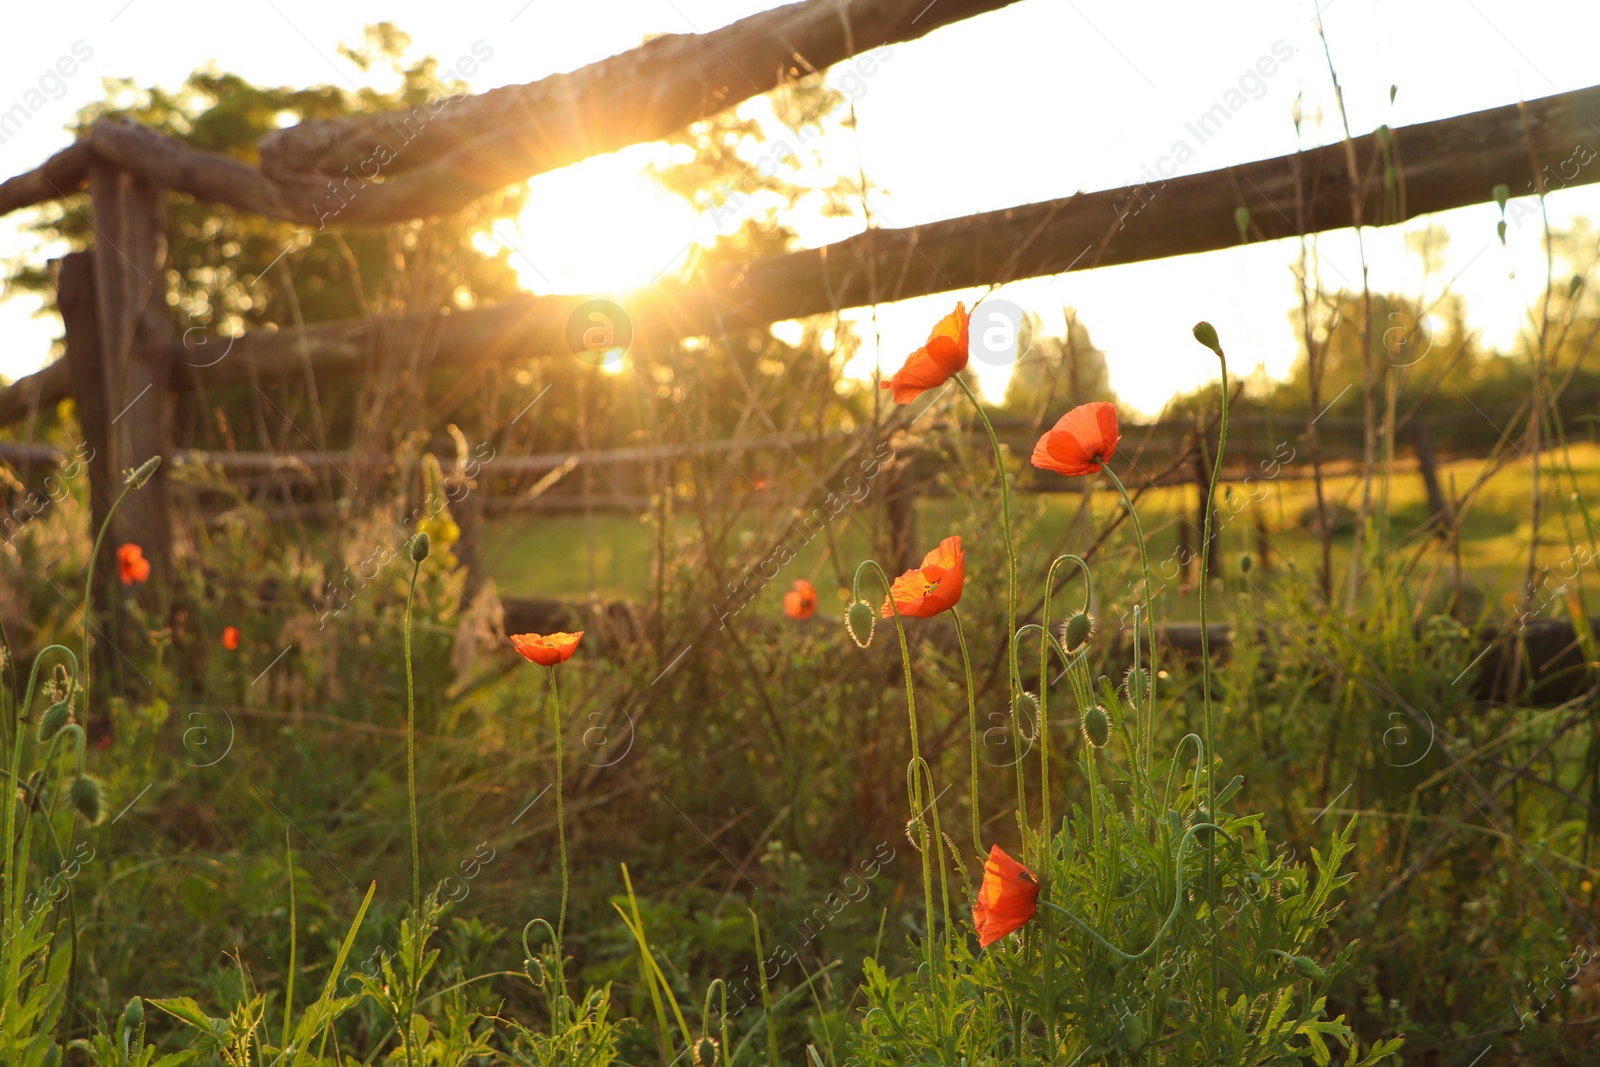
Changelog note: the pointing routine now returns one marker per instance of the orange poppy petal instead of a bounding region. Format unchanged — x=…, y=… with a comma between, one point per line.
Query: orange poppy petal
x=801, y=601
x=933, y=587
x=1080, y=441
x=1007, y=899
x=943, y=356
x=547, y=649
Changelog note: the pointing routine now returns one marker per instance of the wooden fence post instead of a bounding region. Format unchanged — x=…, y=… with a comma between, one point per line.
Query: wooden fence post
x=119, y=345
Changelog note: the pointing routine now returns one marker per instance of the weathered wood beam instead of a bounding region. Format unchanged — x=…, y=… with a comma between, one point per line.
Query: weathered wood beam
x=639, y=95
x=124, y=385
x=60, y=175
x=1443, y=164
x=431, y=161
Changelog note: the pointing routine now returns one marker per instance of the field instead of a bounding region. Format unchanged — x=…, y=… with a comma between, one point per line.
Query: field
x=424, y=648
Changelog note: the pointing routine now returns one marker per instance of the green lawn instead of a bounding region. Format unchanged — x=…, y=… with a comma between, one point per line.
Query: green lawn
x=551, y=556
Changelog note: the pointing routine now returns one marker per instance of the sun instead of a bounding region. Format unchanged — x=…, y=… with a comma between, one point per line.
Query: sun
x=600, y=226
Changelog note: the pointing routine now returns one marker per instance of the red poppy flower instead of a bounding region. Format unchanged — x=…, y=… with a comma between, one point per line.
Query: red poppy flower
x=943, y=357
x=230, y=638
x=547, y=649
x=801, y=601
x=935, y=586
x=1081, y=441
x=131, y=564
x=1007, y=899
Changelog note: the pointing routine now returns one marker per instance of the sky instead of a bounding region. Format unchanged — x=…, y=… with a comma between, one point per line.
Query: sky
x=1033, y=102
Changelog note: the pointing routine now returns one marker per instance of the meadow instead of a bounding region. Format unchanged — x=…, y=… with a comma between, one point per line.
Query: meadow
x=908, y=730
x=708, y=854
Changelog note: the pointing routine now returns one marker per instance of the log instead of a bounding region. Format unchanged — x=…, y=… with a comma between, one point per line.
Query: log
x=640, y=95
x=136, y=342
x=61, y=175
x=1449, y=163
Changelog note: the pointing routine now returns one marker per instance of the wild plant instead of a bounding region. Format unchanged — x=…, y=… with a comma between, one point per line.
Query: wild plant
x=1152, y=925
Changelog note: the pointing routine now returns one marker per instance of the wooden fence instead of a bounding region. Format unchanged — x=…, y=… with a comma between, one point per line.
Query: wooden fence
x=122, y=354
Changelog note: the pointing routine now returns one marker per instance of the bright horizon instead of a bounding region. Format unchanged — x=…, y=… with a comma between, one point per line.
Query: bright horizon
x=961, y=121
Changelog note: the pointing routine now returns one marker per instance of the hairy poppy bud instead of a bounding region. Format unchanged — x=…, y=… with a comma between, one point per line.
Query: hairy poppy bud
x=1241, y=219
x=1574, y=285
x=1136, y=683
x=419, y=547
x=1096, y=726
x=1077, y=630
x=85, y=796
x=1306, y=967
x=705, y=1052
x=1133, y=1032
x=1502, y=193
x=1027, y=709
x=859, y=621
x=1246, y=561
x=136, y=477
x=133, y=1014
x=58, y=715
x=1206, y=334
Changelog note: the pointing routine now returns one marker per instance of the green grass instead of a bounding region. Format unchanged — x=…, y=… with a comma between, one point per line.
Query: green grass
x=550, y=556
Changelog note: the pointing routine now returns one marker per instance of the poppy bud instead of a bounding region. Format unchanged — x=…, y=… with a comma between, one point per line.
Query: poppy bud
x=1246, y=561
x=133, y=1014
x=1241, y=219
x=705, y=1052
x=1133, y=1032
x=1096, y=726
x=85, y=796
x=1502, y=193
x=1500, y=228
x=1206, y=334
x=419, y=547
x=1077, y=630
x=1574, y=285
x=860, y=621
x=58, y=715
x=1027, y=706
x=1136, y=683
x=1308, y=968
x=1202, y=816
x=139, y=475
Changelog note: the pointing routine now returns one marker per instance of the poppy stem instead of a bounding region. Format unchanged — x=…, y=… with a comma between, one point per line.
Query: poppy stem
x=914, y=784
x=411, y=765
x=972, y=731
x=1011, y=583
x=1148, y=712
x=561, y=820
x=1044, y=685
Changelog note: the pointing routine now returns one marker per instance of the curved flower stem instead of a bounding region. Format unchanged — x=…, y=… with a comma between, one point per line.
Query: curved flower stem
x=1044, y=683
x=915, y=785
x=1172, y=916
x=561, y=819
x=1205, y=670
x=972, y=731
x=1148, y=711
x=129, y=485
x=411, y=772
x=918, y=763
x=88, y=588
x=1011, y=575
x=1205, y=565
